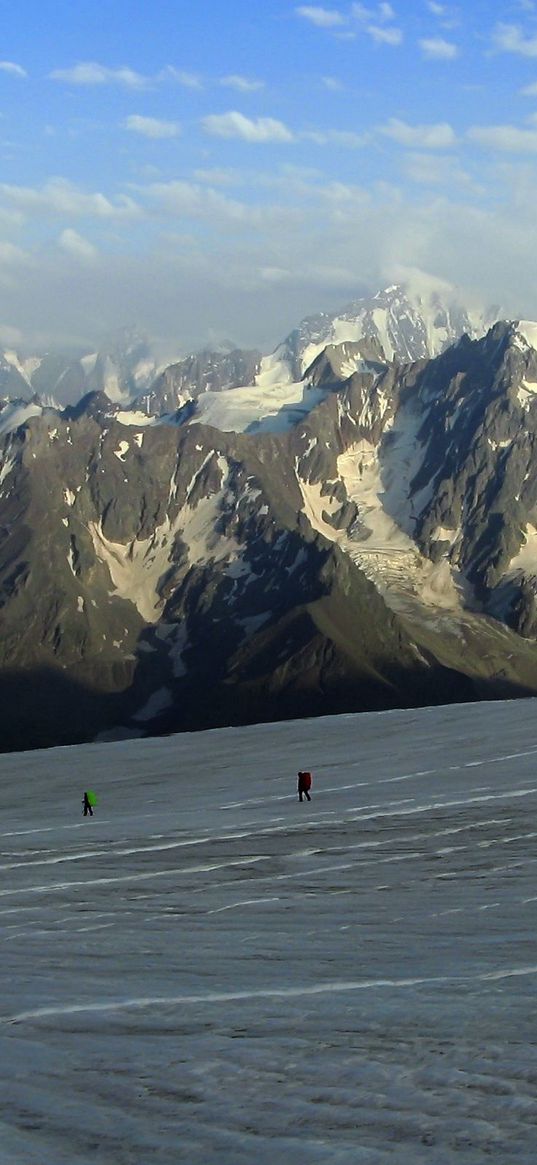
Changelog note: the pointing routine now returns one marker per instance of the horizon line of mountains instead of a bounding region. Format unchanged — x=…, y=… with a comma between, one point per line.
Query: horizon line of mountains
x=126, y=367
x=347, y=524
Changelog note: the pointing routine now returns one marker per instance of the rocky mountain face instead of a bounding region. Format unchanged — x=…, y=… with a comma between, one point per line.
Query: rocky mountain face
x=206, y=371
x=365, y=538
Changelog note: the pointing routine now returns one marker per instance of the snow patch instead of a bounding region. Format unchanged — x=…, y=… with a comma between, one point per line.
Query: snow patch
x=6, y=468
x=386, y=552
x=314, y=1052
x=88, y=362
x=526, y=393
x=272, y=409
x=126, y=417
x=137, y=566
x=495, y=445
x=378, y=545
x=15, y=415
x=527, y=330
x=445, y=534
x=526, y=559
x=22, y=368
x=274, y=370
x=122, y=451
x=71, y=561
x=381, y=325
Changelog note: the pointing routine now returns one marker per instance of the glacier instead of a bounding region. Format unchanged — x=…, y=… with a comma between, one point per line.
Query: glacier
x=209, y=971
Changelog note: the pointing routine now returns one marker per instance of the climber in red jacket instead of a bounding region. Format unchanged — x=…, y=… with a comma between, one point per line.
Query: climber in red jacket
x=304, y=786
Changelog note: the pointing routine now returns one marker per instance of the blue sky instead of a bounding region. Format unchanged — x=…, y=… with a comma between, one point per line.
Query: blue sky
x=215, y=171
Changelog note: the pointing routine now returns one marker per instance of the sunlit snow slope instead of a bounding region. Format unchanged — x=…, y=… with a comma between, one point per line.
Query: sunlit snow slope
x=210, y=972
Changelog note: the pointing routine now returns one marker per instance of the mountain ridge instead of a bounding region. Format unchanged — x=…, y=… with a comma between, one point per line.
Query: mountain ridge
x=406, y=323
x=365, y=545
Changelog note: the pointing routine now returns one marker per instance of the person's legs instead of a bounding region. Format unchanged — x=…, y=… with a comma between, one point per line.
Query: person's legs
x=307, y=795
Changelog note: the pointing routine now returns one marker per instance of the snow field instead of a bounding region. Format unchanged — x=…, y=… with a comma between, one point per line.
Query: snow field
x=209, y=971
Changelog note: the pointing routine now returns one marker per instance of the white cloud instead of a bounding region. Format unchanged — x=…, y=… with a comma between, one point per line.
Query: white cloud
x=60, y=197
x=447, y=16
x=10, y=336
x=530, y=90
x=242, y=84
x=343, y=196
x=11, y=254
x=321, y=17
x=236, y=125
x=75, y=245
x=275, y=274
x=190, y=200
x=152, y=127
x=211, y=280
x=438, y=136
x=438, y=49
x=506, y=138
x=216, y=177
x=177, y=197
x=340, y=277
x=436, y=170
x=381, y=12
x=10, y=218
x=13, y=69
x=91, y=73
x=336, y=137
x=267, y=130
x=509, y=38
x=181, y=77
x=333, y=84
x=293, y=182
x=374, y=22
x=391, y=36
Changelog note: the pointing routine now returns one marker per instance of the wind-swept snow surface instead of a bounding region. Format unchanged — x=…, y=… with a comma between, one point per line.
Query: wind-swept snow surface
x=209, y=972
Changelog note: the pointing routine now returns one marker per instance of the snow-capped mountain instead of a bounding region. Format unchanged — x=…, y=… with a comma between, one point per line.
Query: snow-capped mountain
x=123, y=367
x=407, y=325
x=399, y=323
x=208, y=371
x=357, y=539
x=15, y=376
